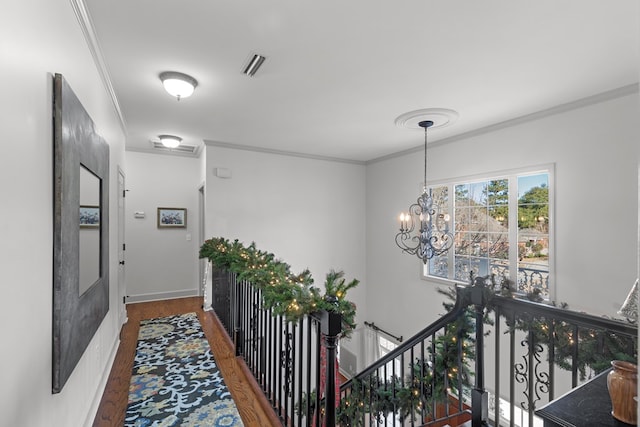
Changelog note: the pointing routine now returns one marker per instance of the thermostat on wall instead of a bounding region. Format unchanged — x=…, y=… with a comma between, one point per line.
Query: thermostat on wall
x=222, y=172
x=138, y=214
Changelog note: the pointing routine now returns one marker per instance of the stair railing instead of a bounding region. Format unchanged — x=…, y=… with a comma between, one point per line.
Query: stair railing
x=523, y=354
x=489, y=360
x=290, y=361
x=424, y=380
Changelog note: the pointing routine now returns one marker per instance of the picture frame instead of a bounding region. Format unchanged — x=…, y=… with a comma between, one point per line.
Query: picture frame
x=172, y=218
x=89, y=216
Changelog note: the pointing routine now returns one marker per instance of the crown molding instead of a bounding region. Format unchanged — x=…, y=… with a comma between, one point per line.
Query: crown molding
x=574, y=105
x=210, y=143
x=195, y=155
x=86, y=25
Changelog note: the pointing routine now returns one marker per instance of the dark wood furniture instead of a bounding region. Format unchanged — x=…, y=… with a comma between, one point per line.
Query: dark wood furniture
x=586, y=405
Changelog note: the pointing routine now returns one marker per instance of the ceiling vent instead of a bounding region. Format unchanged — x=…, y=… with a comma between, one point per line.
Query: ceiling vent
x=184, y=149
x=254, y=63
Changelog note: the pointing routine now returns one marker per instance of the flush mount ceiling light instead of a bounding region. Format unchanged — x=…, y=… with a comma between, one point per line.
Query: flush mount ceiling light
x=170, y=141
x=255, y=62
x=178, y=84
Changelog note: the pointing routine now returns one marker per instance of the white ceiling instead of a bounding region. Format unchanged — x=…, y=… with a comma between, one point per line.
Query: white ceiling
x=338, y=73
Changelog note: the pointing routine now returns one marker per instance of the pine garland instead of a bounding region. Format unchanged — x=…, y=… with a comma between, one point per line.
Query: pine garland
x=426, y=385
x=285, y=293
x=293, y=296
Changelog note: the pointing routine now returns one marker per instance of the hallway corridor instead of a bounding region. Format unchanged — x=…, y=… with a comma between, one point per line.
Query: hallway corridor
x=253, y=408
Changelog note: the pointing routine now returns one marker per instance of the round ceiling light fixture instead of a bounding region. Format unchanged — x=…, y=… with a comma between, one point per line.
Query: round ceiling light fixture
x=177, y=84
x=170, y=141
x=441, y=117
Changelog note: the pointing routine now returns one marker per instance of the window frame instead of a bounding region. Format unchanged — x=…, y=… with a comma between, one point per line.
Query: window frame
x=511, y=175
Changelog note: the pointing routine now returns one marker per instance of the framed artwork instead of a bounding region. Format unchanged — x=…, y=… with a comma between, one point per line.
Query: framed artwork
x=89, y=216
x=172, y=217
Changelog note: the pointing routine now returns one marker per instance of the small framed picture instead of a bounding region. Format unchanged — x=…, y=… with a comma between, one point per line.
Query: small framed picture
x=89, y=216
x=172, y=218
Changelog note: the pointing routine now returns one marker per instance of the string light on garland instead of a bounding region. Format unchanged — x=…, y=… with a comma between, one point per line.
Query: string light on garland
x=285, y=293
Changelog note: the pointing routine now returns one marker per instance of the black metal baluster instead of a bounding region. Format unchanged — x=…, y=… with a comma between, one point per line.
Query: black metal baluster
x=318, y=391
x=270, y=364
x=309, y=388
x=433, y=375
x=497, y=353
x=421, y=382
x=532, y=378
x=574, y=357
x=414, y=390
x=445, y=373
x=460, y=372
x=512, y=370
x=279, y=376
x=300, y=369
x=552, y=358
x=286, y=364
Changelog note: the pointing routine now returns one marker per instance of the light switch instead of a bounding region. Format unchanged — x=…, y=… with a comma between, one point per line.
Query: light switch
x=189, y=237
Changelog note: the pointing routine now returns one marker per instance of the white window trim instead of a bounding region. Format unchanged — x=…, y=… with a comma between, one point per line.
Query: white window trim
x=513, y=218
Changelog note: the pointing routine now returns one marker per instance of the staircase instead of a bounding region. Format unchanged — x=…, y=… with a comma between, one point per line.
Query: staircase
x=491, y=360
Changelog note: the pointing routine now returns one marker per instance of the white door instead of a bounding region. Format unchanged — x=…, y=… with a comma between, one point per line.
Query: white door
x=122, y=289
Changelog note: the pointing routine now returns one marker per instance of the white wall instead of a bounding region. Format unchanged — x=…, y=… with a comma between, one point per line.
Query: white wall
x=595, y=151
x=161, y=263
x=307, y=212
x=38, y=39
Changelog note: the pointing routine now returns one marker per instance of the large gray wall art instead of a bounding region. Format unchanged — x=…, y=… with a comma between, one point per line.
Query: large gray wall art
x=78, y=309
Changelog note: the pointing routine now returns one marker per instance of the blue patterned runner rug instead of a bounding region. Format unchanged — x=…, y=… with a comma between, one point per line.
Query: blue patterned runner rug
x=175, y=380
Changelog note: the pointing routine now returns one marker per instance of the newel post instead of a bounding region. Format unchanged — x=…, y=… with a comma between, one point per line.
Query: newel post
x=236, y=304
x=479, y=396
x=330, y=327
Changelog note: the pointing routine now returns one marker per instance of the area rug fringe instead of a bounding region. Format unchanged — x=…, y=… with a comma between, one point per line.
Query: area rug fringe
x=175, y=380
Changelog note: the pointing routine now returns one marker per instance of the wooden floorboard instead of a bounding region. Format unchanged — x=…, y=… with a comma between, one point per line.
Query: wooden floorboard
x=252, y=405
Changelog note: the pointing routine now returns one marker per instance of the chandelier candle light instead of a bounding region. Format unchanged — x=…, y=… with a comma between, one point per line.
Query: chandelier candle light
x=433, y=237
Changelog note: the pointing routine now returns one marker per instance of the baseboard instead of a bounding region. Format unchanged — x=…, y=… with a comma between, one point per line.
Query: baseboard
x=103, y=384
x=162, y=296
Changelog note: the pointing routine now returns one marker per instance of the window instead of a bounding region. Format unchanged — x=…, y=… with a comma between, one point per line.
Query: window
x=500, y=226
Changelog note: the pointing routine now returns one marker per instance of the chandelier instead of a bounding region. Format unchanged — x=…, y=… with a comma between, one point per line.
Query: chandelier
x=424, y=231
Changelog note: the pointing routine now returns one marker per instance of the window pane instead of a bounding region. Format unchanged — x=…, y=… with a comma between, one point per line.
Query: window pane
x=461, y=270
x=439, y=266
x=440, y=204
x=498, y=192
x=499, y=218
x=478, y=219
x=462, y=195
x=500, y=268
x=499, y=245
x=463, y=243
x=478, y=194
x=481, y=226
x=461, y=221
x=533, y=234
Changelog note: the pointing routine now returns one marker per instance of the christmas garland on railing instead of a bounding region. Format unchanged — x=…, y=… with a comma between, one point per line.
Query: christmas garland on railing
x=430, y=380
x=425, y=385
x=285, y=293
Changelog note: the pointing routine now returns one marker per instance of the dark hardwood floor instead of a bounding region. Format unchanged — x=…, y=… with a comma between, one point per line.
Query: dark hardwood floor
x=253, y=406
